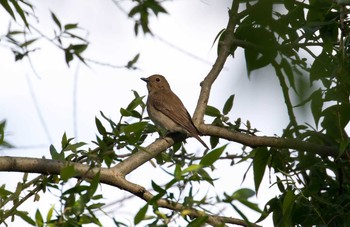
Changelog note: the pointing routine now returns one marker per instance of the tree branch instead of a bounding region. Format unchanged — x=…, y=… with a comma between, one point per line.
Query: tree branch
x=266, y=141
x=47, y=166
x=225, y=48
x=110, y=177
x=143, y=155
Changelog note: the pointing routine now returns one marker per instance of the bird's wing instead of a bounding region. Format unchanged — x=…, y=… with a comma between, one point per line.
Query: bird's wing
x=175, y=110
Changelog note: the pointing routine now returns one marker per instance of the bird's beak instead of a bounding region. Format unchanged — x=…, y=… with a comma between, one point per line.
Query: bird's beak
x=145, y=79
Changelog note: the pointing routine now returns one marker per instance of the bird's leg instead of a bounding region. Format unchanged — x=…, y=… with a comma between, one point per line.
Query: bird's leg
x=176, y=136
x=163, y=134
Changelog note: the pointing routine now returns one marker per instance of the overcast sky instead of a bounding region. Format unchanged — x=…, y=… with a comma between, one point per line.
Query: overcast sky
x=181, y=51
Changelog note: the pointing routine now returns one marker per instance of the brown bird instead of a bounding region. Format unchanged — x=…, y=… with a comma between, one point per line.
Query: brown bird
x=166, y=109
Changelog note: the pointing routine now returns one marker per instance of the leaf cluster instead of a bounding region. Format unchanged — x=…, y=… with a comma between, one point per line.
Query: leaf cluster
x=141, y=13
x=306, y=44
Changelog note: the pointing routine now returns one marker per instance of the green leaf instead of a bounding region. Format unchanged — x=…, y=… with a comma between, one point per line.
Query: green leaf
x=119, y=223
x=240, y=213
x=199, y=221
x=74, y=147
x=321, y=67
x=65, y=141
x=96, y=206
x=70, y=26
x=243, y=193
x=134, y=103
x=205, y=176
x=191, y=168
x=24, y=215
x=39, y=219
x=67, y=173
x=251, y=205
x=135, y=127
x=212, y=111
x=78, y=48
x=140, y=215
x=212, y=156
x=49, y=214
x=20, y=12
x=288, y=203
x=55, y=155
x=289, y=73
x=68, y=55
x=27, y=43
x=156, y=7
x=228, y=105
x=131, y=63
x=157, y=188
x=260, y=160
x=264, y=41
x=94, y=184
x=134, y=11
x=344, y=144
x=101, y=129
x=3, y=192
x=280, y=185
x=218, y=36
x=2, y=132
x=177, y=172
x=316, y=105
x=18, y=191
x=336, y=117
x=7, y=7
x=125, y=113
x=77, y=189
x=214, y=141
x=56, y=20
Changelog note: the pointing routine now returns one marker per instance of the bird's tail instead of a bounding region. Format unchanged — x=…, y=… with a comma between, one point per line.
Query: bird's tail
x=201, y=141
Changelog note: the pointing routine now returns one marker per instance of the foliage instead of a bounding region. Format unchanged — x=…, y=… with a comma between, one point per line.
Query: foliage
x=3, y=142
x=313, y=187
x=306, y=43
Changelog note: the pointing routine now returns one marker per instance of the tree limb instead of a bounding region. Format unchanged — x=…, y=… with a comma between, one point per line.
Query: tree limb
x=47, y=166
x=267, y=141
x=107, y=176
x=225, y=49
x=143, y=155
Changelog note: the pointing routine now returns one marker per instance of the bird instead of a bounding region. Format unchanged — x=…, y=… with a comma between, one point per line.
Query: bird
x=166, y=110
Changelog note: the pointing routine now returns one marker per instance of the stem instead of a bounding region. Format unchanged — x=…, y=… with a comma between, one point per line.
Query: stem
x=225, y=50
x=285, y=92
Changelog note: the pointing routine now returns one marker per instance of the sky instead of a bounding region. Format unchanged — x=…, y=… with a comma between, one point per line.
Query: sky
x=41, y=104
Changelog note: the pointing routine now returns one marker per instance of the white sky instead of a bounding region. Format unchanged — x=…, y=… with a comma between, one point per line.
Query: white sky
x=190, y=25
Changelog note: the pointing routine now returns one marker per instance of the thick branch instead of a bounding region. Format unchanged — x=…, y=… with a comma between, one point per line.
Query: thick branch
x=266, y=141
x=107, y=176
x=143, y=155
x=48, y=166
x=225, y=48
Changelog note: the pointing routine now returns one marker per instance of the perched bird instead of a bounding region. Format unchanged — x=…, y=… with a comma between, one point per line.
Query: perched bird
x=166, y=109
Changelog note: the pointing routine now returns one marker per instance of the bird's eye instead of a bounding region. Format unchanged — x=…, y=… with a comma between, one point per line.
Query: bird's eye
x=157, y=79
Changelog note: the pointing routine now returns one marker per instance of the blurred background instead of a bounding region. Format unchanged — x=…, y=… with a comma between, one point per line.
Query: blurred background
x=44, y=98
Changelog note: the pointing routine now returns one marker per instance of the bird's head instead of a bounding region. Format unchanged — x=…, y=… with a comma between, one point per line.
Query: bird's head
x=156, y=82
